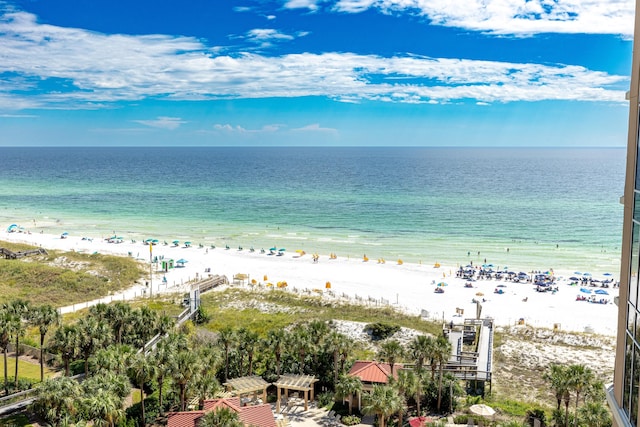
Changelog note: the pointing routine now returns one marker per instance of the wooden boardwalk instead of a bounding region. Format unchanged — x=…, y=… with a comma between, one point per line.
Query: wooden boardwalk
x=9, y=254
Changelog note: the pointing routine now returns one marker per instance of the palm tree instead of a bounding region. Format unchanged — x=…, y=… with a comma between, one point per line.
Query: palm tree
x=20, y=308
x=141, y=371
x=93, y=334
x=249, y=344
x=56, y=399
x=206, y=386
x=441, y=353
x=406, y=383
x=64, y=343
x=226, y=338
x=162, y=359
x=336, y=344
x=184, y=368
x=299, y=342
x=103, y=408
x=118, y=316
x=580, y=377
x=44, y=317
x=421, y=348
x=557, y=377
x=383, y=401
x=390, y=351
x=595, y=414
x=7, y=323
x=221, y=417
x=349, y=385
x=276, y=342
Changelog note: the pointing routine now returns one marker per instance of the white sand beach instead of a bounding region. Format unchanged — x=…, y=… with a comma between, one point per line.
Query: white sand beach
x=409, y=287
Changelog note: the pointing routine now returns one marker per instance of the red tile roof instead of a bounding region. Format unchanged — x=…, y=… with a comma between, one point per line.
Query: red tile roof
x=254, y=416
x=373, y=372
x=184, y=419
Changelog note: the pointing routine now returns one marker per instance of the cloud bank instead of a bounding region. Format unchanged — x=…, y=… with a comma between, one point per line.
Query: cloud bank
x=45, y=66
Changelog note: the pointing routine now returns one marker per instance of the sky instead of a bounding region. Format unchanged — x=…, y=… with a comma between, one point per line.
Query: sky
x=315, y=72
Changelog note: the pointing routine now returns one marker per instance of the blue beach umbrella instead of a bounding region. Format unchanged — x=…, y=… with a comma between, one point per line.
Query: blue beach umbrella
x=601, y=292
x=273, y=249
x=281, y=250
x=577, y=273
x=585, y=290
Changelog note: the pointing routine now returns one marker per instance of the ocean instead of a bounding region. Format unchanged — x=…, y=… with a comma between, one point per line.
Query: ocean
x=526, y=208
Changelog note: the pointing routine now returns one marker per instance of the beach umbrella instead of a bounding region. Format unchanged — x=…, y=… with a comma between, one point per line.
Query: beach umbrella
x=175, y=242
x=601, y=292
x=586, y=274
x=482, y=409
x=574, y=278
x=577, y=273
x=273, y=249
x=281, y=250
x=328, y=285
x=441, y=284
x=585, y=290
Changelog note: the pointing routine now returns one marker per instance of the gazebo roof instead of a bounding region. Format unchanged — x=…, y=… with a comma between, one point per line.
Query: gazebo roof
x=296, y=382
x=245, y=385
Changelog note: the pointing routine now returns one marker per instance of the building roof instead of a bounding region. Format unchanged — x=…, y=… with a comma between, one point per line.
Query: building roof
x=184, y=419
x=254, y=416
x=373, y=372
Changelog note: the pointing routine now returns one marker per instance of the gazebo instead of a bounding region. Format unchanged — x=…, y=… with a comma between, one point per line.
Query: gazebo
x=248, y=385
x=303, y=383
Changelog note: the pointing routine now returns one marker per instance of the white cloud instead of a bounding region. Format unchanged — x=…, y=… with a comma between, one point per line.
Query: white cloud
x=163, y=122
x=303, y=4
x=92, y=70
x=17, y=116
x=315, y=127
x=512, y=17
x=239, y=129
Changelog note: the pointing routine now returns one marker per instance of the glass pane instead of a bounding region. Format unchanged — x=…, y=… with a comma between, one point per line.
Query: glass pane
x=631, y=320
x=634, y=386
x=633, y=271
x=628, y=359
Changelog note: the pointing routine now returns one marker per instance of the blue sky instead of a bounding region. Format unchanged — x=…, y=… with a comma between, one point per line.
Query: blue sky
x=315, y=72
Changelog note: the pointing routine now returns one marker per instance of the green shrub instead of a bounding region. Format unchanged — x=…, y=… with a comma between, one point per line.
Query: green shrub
x=325, y=399
x=381, y=331
x=351, y=420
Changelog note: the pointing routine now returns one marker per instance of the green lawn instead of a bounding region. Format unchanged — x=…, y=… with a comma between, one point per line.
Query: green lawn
x=30, y=371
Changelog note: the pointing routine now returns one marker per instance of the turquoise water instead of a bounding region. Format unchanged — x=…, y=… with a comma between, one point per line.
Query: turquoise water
x=552, y=208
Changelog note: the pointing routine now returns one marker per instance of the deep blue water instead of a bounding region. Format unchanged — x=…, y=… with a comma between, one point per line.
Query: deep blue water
x=547, y=205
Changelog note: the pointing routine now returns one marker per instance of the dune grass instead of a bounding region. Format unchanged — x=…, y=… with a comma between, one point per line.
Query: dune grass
x=261, y=311
x=62, y=278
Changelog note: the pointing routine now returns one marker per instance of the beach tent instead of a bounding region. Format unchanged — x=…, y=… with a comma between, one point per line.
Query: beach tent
x=12, y=228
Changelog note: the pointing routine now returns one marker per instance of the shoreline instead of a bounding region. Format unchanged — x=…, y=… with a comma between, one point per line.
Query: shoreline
x=406, y=286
